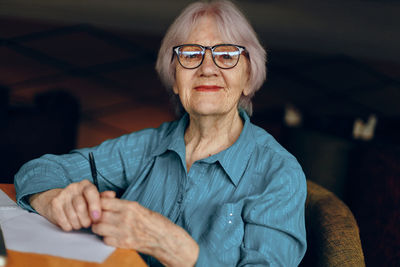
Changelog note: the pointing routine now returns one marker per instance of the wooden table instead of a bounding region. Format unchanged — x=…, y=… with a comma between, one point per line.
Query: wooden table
x=119, y=258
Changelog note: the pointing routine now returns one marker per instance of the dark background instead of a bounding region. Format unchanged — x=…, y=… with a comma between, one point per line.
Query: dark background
x=75, y=73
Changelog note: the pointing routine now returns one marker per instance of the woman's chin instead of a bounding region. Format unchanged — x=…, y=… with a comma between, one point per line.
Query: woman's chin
x=207, y=109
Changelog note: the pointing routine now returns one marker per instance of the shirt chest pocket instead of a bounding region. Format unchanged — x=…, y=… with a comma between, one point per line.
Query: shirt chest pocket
x=226, y=228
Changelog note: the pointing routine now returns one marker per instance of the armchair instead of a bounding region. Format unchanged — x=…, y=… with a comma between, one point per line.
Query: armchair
x=332, y=232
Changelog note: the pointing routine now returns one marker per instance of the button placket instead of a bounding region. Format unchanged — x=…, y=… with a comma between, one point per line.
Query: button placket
x=180, y=199
x=177, y=210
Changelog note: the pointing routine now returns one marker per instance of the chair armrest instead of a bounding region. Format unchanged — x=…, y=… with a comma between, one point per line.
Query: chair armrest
x=332, y=231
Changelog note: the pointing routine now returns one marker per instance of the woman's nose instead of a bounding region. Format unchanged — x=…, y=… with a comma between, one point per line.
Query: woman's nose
x=208, y=66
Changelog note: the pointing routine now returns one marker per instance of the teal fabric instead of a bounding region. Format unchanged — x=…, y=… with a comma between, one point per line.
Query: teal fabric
x=244, y=206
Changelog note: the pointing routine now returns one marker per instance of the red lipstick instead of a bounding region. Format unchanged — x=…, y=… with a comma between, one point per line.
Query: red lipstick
x=207, y=88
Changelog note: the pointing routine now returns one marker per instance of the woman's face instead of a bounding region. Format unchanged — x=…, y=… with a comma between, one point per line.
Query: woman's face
x=209, y=90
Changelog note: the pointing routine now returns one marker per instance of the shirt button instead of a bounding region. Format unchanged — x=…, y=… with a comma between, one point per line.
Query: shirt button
x=180, y=199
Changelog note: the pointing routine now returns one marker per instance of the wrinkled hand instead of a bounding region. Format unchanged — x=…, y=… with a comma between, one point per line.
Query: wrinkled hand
x=74, y=207
x=127, y=224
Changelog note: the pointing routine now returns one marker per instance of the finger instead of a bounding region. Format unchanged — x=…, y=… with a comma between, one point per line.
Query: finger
x=63, y=222
x=71, y=216
x=111, y=241
x=81, y=209
x=115, y=204
x=108, y=194
x=92, y=197
x=105, y=229
x=110, y=217
x=58, y=215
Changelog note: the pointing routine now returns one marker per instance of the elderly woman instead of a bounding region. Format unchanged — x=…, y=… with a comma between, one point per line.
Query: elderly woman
x=210, y=189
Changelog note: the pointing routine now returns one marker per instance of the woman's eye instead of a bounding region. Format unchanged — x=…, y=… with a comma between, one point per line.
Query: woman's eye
x=190, y=55
x=226, y=56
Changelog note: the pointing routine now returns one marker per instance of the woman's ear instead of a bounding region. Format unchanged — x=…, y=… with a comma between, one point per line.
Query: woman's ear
x=174, y=86
x=247, y=90
x=175, y=89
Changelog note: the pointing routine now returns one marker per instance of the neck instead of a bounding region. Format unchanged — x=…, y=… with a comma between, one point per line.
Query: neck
x=208, y=135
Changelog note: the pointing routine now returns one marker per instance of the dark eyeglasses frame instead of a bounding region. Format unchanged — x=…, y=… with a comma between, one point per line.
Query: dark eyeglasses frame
x=175, y=51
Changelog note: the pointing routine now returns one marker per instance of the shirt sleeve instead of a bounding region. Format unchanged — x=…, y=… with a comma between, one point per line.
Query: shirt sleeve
x=274, y=232
x=117, y=162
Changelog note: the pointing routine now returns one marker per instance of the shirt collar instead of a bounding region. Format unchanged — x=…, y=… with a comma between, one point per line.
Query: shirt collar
x=233, y=159
x=174, y=140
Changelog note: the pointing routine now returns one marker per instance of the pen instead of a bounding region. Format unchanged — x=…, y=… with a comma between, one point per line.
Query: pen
x=3, y=250
x=93, y=170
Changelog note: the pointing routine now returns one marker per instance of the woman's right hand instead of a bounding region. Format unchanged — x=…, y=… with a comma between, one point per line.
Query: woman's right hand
x=74, y=207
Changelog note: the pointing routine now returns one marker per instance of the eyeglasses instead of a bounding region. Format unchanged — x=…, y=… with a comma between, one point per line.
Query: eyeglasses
x=225, y=56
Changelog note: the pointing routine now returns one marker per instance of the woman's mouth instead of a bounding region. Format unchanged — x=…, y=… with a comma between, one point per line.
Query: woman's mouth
x=208, y=88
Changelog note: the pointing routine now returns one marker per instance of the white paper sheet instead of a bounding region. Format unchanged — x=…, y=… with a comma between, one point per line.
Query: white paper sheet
x=29, y=232
x=6, y=202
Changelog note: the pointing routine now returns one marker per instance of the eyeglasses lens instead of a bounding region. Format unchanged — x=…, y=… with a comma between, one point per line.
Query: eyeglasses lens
x=190, y=56
x=225, y=56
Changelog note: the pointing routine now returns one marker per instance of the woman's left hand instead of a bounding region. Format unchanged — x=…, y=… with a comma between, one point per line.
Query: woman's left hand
x=127, y=224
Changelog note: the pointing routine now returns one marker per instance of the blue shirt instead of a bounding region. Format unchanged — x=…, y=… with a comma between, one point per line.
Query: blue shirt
x=243, y=206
